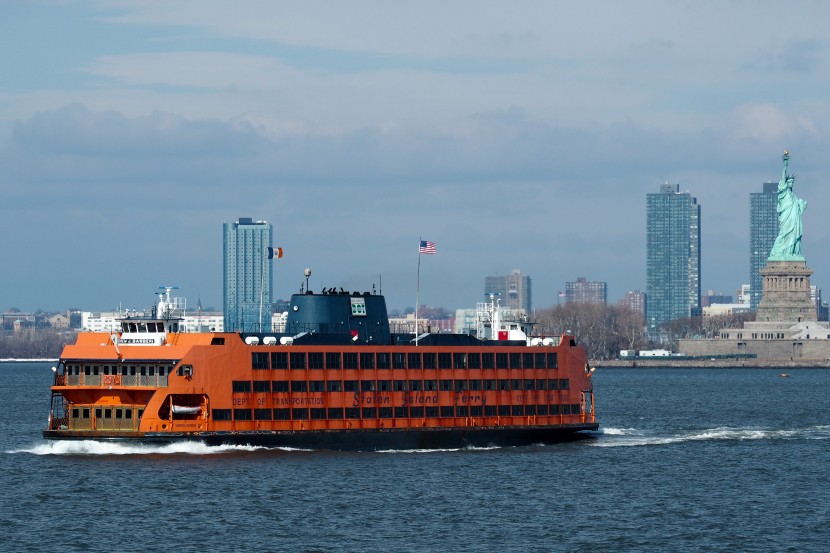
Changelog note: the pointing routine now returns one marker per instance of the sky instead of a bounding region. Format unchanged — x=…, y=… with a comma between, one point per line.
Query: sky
x=515, y=135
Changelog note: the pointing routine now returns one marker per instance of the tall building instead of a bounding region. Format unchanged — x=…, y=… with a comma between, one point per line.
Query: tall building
x=763, y=229
x=672, y=256
x=635, y=301
x=582, y=291
x=247, y=278
x=513, y=290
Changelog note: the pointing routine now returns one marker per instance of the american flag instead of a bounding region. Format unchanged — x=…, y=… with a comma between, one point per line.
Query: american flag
x=427, y=247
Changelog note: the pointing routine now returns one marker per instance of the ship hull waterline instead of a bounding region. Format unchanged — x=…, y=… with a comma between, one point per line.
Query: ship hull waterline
x=358, y=439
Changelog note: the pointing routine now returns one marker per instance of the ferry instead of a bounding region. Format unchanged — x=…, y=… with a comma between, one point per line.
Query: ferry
x=335, y=378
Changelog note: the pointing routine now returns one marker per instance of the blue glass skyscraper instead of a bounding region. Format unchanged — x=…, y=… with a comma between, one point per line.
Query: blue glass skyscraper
x=763, y=229
x=247, y=278
x=672, y=256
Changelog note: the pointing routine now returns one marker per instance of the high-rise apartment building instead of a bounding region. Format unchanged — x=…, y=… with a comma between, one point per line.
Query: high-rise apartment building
x=247, y=278
x=513, y=290
x=763, y=229
x=672, y=256
x=582, y=291
x=634, y=300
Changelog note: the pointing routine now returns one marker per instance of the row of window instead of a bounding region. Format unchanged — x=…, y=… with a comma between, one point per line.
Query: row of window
x=124, y=370
x=401, y=360
x=117, y=413
x=267, y=386
x=340, y=413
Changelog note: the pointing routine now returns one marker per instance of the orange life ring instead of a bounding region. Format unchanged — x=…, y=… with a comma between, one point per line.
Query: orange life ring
x=107, y=380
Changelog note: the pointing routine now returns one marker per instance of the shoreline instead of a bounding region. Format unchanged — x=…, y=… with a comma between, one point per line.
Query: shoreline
x=668, y=363
x=35, y=360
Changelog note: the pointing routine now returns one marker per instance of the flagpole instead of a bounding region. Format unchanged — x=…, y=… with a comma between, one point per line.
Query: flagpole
x=418, y=291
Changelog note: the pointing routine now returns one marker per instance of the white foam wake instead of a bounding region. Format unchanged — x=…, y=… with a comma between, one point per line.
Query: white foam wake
x=92, y=447
x=617, y=437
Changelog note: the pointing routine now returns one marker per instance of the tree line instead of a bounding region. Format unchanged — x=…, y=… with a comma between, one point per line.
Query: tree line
x=32, y=343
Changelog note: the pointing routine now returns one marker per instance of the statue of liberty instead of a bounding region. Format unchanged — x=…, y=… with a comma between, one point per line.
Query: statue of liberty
x=787, y=245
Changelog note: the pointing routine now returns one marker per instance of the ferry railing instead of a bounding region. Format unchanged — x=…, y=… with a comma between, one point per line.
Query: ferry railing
x=106, y=380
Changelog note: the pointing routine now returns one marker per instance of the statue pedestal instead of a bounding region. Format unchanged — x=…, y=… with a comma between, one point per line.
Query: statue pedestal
x=786, y=293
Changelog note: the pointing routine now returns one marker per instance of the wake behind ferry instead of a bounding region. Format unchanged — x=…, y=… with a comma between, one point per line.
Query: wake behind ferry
x=336, y=379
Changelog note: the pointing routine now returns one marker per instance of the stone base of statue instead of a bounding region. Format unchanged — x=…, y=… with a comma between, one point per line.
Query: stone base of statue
x=786, y=293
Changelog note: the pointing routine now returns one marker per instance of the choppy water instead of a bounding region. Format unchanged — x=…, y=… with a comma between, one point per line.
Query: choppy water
x=687, y=460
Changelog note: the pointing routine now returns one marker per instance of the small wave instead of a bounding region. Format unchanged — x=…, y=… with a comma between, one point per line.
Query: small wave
x=633, y=438
x=92, y=447
x=616, y=431
x=439, y=450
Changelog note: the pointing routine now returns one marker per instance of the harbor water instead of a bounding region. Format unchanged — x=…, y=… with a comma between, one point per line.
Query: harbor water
x=686, y=460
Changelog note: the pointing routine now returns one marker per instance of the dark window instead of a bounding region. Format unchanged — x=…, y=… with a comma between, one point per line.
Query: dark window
x=385, y=412
x=501, y=360
x=462, y=411
x=489, y=384
x=367, y=361
x=279, y=360
x=530, y=410
x=335, y=386
x=352, y=413
x=554, y=409
x=564, y=384
x=476, y=410
x=475, y=384
x=221, y=414
x=384, y=385
x=299, y=386
x=459, y=360
x=487, y=361
x=527, y=360
x=414, y=360
x=416, y=412
x=504, y=384
x=516, y=384
x=315, y=360
x=216, y=341
x=298, y=360
x=490, y=411
x=518, y=410
x=107, y=413
x=128, y=414
x=335, y=412
x=259, y=360
x=262, y=385
x=461, y=385
x=369, y=413
x=416, y=385
x=541, y=409
x=515, y=360
x=367, y=385
x=552, y=361
x=553, y=384
x=431, y=412
x=529, y=384
x=399, y=385
x=382, y=360
x=565, y=408
x=282, y=414
x=317, y=386
x=242, y=415
x=279, y=386
x=445, y=385
x=262, y=414
x=350, y=385
x=318, y=414
x=541, y=384
x=444, y=361
x=447, y=411
x=429, y=360
x=504, y=410
x=75, y=412
x=430, y=385
x=350, y=360
x=299, y=414
x=541, y=361
x=241, y=386
x=332, y=360
x=400, y=412
x=398, y=361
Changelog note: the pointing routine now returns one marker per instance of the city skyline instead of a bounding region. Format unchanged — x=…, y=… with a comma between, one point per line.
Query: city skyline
x=129, y=130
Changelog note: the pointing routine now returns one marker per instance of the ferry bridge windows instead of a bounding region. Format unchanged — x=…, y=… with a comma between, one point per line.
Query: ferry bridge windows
x=518, y=410
x=429, y=361
x=315, y=360
x=299, y=386
x=489, y=384
x=504, y=410
x=368, y=412
x=430, y=385
x=242, y=415
x=515, y=360
x=553, y=361
x=282, y=414
x=475, y=384
x=474, y=360
x=527, y=361
x=447, y=411
x=335, y=412
x=541, y=361
x=262, y=414
x=530, y=410
x=316, y=385
x=385, y=412
x=352, y=412
x=299, y=413
x=445, y=385
x=215, y=341
x=298, y=360
x=398, y=360
x=529, y=384
x=414, y=360
x=462, y=411
x=430, y=412
x=279, y=386
x=222, y=414
x=350, y=385
x=501, y=360
x=490, y=411
x=416, y=412
x=415, y=385
x=487, y=361
x=317, y=413
x=504, y=384
x=367, y=385
x=459, y=360
x=279, y=360
x=542, y=410
x=461, y=385
x=350, y=360
x=262, y=386
x=241, y=386
x=332, y=360
x=384, y=385
x=259, y=360
x=367, y=361
x=476, y=411
x=399, y=385
x=383, y=360
x=334, y=386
